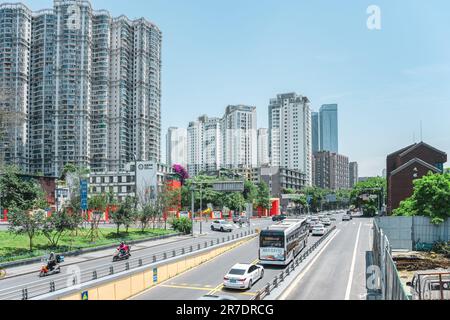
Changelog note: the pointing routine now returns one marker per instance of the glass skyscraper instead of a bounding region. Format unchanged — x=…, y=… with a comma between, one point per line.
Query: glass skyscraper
x=328, y=132
x=315, y=129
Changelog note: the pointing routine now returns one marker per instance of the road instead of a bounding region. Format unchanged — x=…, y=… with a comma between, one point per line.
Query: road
x=100, y=260
x=327, y=278
x=339, y=272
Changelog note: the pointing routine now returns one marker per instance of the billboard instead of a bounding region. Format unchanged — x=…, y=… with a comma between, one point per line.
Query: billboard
x=84, y=194
x=147, y=180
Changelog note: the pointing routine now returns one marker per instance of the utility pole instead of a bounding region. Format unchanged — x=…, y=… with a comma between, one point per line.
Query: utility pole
x=135, y=181
x=192, y=208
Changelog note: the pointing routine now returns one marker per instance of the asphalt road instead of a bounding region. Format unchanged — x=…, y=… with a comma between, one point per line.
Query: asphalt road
x=21, y=281
x=207, y=278
x=339, y=272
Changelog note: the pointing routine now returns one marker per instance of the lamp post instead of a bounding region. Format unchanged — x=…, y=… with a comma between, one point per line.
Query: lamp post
x=135, y=181
x=192, y=208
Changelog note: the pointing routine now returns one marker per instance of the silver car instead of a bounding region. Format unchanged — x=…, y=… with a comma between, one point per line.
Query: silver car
x=221, y=225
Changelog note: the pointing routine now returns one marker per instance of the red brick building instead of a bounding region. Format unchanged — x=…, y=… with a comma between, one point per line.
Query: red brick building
x=408, y=164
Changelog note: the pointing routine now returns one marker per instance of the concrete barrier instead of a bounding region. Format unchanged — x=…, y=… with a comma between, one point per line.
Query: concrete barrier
x=129, y=283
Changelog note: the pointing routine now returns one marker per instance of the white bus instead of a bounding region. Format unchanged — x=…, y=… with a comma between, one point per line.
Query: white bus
x=281, y=242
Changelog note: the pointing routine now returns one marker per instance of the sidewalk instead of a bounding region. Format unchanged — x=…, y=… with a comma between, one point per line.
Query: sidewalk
x=34, y=267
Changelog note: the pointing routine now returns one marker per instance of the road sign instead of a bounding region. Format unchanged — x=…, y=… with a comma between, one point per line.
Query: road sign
x=309, y=199
x=84, y=194
x=84, y=295
x=155, y=275
x=229, y=186
x=331, y=198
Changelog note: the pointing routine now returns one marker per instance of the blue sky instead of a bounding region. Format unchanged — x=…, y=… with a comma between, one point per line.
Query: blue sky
x=385, y=81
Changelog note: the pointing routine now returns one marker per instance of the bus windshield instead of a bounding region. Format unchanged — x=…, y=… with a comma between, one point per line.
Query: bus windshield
x=273, y=241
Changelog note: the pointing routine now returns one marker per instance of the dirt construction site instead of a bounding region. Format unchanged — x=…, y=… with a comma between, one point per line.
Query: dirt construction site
x=412, y=261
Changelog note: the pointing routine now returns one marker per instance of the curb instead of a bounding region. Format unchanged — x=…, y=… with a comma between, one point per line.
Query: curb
x=82, y=251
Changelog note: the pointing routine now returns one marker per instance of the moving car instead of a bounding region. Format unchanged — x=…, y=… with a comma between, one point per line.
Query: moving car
x=326, y=221
x=346, y=217
x=221, y=225
x=279, y=218
x=243, y=276
x=214, y=297
x=319, y=230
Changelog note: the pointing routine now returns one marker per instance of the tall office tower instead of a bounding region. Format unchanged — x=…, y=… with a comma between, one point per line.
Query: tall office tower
x=294, y=127
x=42, y=92
x=329, y=128
x=331, y=170
x=15, y=39
x=239, y=127
x=78, y=87
x=315, y=125
x=176, y=146
x=263, y=147
x=353, y=174
x=204, y=145
x=274, y=132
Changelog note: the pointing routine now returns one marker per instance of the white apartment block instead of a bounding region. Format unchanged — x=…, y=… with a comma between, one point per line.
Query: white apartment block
x=204, y=145
x=240, y=145
x=85, y=86
x=291, y=140
x=176, y=146
x=263, y=147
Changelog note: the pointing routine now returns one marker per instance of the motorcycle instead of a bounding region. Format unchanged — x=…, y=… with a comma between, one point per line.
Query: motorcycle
x=119, y=255
x=45, y=271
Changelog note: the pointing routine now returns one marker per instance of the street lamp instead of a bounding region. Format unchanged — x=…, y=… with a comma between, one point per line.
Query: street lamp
x=135, y=181
x=192, y=207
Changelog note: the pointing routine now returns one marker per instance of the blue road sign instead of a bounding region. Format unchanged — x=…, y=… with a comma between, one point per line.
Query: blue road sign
x=84, y=295
x=84, y=194
x=155, y=275
x=309, y=199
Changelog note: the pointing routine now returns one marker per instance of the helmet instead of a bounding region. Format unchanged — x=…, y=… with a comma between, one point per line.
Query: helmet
x=122, y=243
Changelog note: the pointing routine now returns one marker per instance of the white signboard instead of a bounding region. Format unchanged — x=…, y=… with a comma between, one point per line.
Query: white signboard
x=147, y=180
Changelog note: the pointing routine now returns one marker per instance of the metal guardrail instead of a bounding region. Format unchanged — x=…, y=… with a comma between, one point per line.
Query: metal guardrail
x=67, y=280
x=270, y=286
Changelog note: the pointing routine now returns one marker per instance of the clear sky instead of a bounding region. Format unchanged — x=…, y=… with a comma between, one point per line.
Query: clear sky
x=218, y=52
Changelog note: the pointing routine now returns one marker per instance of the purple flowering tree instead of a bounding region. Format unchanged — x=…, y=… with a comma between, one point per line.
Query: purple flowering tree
x=181, y=171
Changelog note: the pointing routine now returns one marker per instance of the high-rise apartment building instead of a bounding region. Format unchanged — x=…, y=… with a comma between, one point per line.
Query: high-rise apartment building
x=353, y=174
x=328, y=129
x=204, y=145
x=176, y=146
x=240, y=137
x=290, y=137
x=263, y=147
x=85, y=87
x=331, y=170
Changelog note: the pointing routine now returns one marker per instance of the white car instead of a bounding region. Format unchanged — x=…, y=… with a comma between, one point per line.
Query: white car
x=243, y=276
x=326, y=221
x=319, y=230
x=222, y=225
x=346, y=217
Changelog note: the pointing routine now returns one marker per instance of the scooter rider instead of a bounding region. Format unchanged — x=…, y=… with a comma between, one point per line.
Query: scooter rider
x=123, y=248
x=52, y=261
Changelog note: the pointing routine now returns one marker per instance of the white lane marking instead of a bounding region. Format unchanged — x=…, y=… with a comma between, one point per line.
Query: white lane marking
x=352, y=269
x=294, y=283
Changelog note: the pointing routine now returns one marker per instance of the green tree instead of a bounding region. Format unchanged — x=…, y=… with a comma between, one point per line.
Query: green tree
x=20, y=193
x=235, y=201
x=57, y=225
x=431, y=198
x=369, y=195
x=123, y=214
x=263, y=196
x=27, y=222
x=250, y=192
x=97, y=204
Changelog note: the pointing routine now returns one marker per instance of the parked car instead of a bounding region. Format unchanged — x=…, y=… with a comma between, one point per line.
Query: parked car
x=221, y=225
x=279, y=217
x=319, y=230
x=243, y=276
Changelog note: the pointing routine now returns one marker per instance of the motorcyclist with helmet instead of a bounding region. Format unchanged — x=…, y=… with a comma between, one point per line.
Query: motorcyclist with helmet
x=124, y=249
x=52, y=261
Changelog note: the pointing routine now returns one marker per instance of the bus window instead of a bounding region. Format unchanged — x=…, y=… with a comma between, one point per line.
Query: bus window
x=272, y=241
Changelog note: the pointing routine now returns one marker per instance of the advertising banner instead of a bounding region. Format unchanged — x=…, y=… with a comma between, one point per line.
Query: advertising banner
x=272, y=254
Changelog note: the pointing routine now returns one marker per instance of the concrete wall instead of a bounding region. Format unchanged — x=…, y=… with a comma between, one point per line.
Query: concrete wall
x=405, y=232
x=124, y=286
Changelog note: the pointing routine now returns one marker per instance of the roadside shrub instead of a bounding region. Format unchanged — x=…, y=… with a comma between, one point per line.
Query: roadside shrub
x=183, y=225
